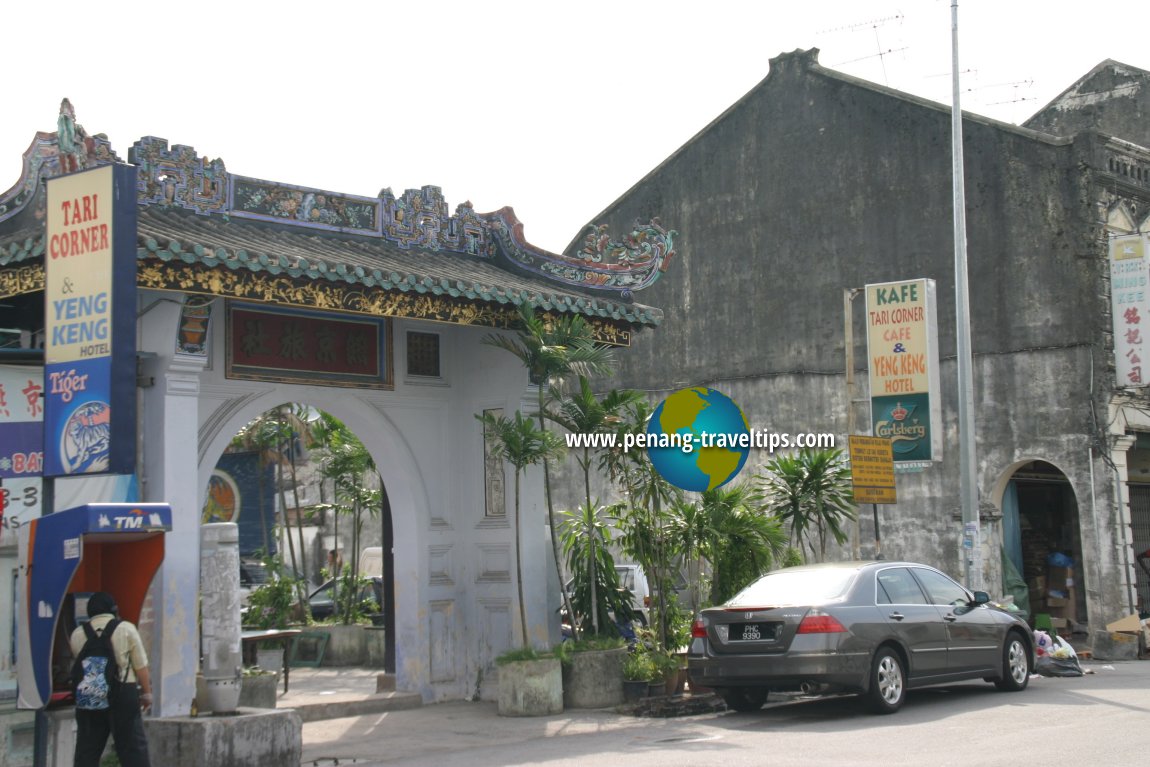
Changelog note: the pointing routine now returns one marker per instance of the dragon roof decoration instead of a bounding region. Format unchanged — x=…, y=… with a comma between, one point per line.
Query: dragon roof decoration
x=177, y=177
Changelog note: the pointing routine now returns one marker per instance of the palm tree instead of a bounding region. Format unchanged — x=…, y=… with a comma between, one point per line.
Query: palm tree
x=583, y=413
x=551, y=351
x=811, y=490
x=730, y=529
x=270, y=434
x=745, y=539
x=522, y=444
x=644, y=522
x=596, y=592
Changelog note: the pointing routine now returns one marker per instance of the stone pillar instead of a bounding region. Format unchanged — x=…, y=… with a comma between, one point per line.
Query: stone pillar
x=220, y=614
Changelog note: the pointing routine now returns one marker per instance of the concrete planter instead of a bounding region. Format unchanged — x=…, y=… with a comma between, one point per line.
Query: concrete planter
x=531, y=688
x=354, y=646
x=259, y=690
x=594, y=679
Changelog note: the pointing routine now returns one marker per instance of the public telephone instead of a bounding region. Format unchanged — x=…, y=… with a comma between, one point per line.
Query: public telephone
x=66, y=557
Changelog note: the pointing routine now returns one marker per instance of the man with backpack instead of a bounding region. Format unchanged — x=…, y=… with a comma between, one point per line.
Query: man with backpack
x=110, y=663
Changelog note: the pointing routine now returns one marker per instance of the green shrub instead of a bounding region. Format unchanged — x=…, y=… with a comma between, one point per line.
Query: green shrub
x=564, y=650
x=640, y=666
x=272, y=604
x=521, y=653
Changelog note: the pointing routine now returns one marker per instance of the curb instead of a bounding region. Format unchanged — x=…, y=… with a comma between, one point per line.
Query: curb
x=374, y=704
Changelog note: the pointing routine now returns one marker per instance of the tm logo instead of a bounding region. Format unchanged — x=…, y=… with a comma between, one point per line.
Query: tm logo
x=135, y=520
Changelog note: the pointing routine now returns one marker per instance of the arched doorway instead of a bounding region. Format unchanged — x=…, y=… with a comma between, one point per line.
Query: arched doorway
x=311, y=508
x=403, y=514
x=1042, y=539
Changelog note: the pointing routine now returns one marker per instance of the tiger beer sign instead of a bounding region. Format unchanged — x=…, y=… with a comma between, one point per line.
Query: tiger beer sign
x=89, y=315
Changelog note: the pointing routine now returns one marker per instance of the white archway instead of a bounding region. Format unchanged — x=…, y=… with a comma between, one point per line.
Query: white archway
x=397, y=466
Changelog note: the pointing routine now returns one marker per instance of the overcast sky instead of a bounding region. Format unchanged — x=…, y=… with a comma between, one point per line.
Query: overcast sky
x=553, y=108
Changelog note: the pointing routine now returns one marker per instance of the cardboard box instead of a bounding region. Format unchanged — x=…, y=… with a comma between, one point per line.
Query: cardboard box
x=1059, y=578
x=1131, y=623
x=1059, y=623
x=1054, y=602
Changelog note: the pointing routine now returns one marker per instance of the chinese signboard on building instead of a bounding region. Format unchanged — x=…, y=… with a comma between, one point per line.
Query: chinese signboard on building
x=902, y=351
x=293, y=346
x=21, y=446
x=90, y=323
x=1130, y=307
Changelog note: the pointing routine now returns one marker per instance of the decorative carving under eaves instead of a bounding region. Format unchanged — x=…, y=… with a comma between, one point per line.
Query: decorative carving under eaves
x=285, y=290
x=22, y=279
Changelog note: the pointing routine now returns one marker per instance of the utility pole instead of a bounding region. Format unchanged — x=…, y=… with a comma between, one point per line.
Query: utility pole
x=849, y=348
x=968, y=482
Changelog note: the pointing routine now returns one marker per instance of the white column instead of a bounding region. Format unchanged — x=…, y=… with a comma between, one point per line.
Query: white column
x=170, y=463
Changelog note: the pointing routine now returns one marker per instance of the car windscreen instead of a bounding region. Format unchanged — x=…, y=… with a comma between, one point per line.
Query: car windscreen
x=795, y=587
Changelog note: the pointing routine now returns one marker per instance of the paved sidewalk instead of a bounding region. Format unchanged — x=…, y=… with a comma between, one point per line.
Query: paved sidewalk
x=333, y=693
x=444, y=732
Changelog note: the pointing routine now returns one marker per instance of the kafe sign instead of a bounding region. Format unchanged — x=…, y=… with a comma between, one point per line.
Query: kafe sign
x=89, y=314
x=902, y=350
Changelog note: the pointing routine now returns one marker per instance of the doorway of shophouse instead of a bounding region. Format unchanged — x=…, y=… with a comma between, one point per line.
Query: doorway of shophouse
x=314, y=523
x=1138, y=476
x=1042, y=540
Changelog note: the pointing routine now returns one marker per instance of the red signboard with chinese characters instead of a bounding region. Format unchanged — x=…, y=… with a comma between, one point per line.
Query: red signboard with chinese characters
x=294, y=346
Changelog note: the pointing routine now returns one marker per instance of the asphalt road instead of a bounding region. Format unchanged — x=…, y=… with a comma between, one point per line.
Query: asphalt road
x=1099, y=719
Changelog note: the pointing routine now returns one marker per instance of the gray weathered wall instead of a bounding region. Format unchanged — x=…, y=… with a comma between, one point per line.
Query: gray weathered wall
x=815, y=182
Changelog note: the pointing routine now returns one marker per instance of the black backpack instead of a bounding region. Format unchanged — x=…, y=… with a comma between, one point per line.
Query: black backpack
x=95, y=673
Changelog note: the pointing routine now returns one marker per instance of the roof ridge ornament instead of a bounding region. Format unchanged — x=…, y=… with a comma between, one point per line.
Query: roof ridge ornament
x=70, y=148
x=418, y=219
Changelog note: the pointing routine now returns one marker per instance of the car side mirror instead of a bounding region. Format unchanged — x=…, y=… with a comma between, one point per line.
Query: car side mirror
x=981, y=598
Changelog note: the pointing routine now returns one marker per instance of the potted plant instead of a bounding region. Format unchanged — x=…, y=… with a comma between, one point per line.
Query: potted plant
x=530, y=683
x=638, y=671
x=668, y=672
x=592, y=672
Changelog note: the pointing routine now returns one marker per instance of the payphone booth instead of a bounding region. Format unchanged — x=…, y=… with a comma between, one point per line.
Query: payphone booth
x=64, y=558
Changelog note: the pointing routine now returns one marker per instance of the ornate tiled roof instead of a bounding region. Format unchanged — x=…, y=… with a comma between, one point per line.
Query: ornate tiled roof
x=203, y=229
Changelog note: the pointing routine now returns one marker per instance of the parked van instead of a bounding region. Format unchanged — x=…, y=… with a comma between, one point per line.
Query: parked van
x=371, y=561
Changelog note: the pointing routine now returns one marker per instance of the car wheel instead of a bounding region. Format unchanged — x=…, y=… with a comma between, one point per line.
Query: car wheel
x=887, y=689
x=744, y=698
x=1015, y=665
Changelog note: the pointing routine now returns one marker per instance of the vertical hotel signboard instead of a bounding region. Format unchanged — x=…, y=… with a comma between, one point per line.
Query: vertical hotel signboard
x=90, y=325
x=902, y=350
x=1130, y=307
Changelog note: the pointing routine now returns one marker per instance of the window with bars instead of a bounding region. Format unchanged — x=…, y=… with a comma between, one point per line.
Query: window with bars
x=423, y=354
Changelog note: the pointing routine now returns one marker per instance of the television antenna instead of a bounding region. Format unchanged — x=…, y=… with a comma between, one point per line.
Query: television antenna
x=880, y=52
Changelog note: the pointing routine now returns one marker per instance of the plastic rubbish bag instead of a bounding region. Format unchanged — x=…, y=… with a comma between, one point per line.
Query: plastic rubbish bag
x=1058, y=559
x=1048, y=665
x=1043, y=644
x=1063, y=650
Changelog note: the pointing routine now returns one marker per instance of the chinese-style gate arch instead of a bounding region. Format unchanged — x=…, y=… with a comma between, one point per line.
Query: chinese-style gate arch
x=252, y=293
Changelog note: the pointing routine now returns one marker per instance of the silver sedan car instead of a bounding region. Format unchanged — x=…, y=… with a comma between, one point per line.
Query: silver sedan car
x=875, y=628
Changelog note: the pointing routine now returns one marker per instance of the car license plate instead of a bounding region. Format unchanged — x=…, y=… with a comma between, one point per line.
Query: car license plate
x=752, y=632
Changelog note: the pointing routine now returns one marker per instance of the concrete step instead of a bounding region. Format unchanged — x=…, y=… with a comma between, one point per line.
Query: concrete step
x=317, y=710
